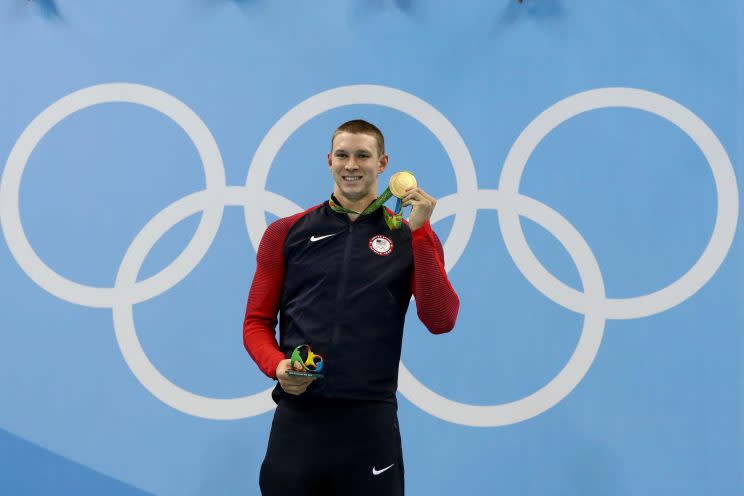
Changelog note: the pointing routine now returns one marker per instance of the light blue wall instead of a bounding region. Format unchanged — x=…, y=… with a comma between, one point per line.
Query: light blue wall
x=578, y=385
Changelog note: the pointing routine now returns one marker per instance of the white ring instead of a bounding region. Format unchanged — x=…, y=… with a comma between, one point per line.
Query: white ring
x=723, y=173
x=10, y=184
x=443, y=130
x=579, y=362
x=126, y=334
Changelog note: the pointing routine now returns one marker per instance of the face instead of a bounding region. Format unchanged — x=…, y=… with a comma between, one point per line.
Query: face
x=355, y=163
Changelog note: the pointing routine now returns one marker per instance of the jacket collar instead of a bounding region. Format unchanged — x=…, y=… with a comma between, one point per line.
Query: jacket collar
x=372, y=215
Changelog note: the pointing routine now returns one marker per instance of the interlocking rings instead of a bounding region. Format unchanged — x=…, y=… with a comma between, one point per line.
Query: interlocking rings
x=592, y=303
x=10, y=218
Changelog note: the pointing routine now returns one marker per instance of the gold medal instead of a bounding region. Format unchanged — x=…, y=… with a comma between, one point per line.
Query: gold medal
x=400, y=182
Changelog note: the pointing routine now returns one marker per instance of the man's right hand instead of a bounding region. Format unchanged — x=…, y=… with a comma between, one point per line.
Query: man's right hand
x=292, y=385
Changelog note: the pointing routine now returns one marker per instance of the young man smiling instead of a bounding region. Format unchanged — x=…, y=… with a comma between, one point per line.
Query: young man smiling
x=340, y=277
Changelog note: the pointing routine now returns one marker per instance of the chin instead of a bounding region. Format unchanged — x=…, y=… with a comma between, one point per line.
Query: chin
x=353, y=195
x=353, y=192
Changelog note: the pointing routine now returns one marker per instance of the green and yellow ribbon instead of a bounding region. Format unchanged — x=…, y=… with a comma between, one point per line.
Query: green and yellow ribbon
x=399, y=183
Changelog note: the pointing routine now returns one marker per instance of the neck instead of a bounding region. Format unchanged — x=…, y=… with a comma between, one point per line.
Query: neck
x=354, y=204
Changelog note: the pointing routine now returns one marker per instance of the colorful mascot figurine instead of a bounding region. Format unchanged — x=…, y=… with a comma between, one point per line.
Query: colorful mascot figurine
x=312, y=364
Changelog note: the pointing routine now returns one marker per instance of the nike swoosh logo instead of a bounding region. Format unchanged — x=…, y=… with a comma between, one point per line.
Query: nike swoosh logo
x=378, y=472
x=313, y=239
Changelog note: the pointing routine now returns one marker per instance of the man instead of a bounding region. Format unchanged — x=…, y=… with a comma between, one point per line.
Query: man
x=341, y=278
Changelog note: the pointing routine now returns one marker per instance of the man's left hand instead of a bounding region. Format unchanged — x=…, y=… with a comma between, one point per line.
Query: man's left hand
x=423, y=205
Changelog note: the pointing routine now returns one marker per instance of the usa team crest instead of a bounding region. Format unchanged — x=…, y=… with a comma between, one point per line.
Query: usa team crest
x=381, y=245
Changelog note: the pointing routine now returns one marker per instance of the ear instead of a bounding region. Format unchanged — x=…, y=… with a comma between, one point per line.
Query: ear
x=329, y=160
x=383, y=164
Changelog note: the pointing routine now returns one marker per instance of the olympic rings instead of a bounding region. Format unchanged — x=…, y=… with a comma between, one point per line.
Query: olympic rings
x=723, y=175
x=464, y=204
x=10, y=185
x=404, y=102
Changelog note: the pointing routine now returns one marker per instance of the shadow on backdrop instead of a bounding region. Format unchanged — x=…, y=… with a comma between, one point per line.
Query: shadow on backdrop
x=550, y=13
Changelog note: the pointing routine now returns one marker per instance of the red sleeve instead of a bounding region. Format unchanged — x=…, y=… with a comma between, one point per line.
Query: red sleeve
x=437, y=303
x=263, y=300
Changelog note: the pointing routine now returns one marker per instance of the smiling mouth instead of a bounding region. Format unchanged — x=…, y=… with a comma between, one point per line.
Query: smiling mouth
x=352, y=179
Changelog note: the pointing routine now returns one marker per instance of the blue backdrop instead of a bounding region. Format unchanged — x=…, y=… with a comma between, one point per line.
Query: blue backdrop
x=584, y=154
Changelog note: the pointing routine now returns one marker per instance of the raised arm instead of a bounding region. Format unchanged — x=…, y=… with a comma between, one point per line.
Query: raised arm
x=437, y=303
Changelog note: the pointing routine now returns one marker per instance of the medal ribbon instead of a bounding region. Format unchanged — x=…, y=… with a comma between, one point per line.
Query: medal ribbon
x=393, y=221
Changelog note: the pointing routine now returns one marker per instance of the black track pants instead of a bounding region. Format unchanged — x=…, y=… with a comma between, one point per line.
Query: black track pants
x=333, y=447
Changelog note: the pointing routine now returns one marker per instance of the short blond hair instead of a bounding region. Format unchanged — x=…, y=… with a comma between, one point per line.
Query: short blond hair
x=359, y=126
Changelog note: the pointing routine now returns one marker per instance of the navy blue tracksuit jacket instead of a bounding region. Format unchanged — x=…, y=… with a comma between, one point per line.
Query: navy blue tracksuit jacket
x=344, y=287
